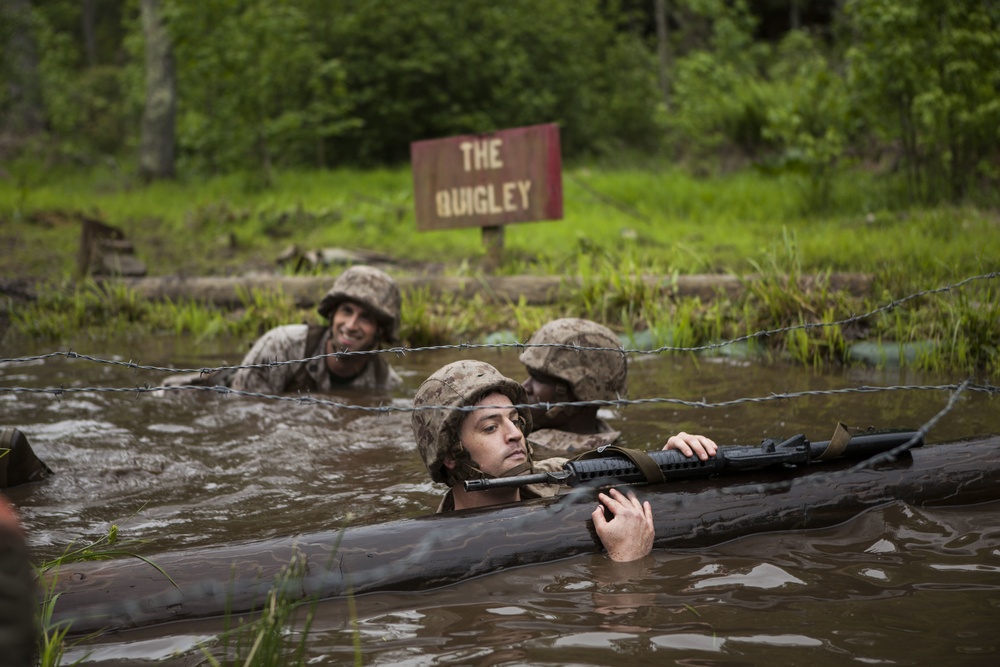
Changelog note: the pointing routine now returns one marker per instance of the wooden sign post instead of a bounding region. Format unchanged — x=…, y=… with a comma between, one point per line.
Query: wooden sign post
x=488, y=181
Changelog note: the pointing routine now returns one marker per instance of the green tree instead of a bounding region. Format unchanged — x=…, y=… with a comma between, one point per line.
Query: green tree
x=255, y=86
x=926, y=74
x=21, y=96
x=719, y=95
x=808, y=115
x=422, y=70
x=156, y=148
x=84, y=81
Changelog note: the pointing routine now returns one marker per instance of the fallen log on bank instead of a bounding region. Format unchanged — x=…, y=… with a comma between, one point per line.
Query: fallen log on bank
x=437, y=550
x=225, y=292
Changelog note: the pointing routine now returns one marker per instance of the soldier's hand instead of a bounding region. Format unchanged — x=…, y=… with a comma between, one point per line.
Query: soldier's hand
x=691, y=445
x=629, y=534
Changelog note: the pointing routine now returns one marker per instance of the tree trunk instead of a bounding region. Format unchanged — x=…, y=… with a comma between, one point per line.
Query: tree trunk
x=156, y=148
x=794, y=15
x=88, y=21
x=663, y=50
x=438, y=550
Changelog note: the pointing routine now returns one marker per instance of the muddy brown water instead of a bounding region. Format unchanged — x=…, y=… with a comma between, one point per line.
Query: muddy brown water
x=898, y=585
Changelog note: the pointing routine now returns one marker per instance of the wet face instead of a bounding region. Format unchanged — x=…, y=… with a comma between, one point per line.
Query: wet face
x=354, y=328
x=543, y=388
x=493, y=436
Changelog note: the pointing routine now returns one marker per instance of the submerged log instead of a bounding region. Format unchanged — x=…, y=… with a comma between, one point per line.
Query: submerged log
x=437, y=550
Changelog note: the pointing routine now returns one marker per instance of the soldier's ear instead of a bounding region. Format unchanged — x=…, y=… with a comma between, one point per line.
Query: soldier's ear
x=449, y=462
x=562, y=389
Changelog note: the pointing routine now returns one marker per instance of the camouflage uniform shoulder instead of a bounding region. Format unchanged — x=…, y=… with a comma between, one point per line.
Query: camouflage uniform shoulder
x=554, y=440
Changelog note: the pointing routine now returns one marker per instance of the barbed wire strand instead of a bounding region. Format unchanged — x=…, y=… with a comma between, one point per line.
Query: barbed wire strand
x=312, y=399
x=400, y=351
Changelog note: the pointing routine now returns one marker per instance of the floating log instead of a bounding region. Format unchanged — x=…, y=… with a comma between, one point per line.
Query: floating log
x=535, y=290
x=437, y=550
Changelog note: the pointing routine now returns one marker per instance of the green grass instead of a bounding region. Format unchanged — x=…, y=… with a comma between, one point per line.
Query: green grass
x=663, y=221
x=620, y=223
x=53, y=637
x=266, y=639
x=113, y=309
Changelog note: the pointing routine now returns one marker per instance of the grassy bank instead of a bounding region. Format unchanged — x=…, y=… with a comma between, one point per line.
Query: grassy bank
x=619, y=223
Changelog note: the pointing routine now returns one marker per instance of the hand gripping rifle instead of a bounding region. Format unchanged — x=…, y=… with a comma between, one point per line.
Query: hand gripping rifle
x=609, y=464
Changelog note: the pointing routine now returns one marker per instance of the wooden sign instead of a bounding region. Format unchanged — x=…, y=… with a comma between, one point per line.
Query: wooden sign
x=488, y=180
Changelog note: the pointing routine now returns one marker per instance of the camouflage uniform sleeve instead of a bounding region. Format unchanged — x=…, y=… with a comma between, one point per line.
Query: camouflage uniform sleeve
x=550, y=464
x=554, y=440
x=284, y=343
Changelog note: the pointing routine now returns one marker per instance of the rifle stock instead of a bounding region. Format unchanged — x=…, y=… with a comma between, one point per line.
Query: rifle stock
x=795, y=451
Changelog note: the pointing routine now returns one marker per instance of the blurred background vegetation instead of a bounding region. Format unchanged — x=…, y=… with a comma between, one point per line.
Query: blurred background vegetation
x=905, y=88
x=768, y=137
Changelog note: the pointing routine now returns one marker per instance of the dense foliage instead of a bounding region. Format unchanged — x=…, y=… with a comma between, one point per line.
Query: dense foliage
x=787, y=85
x=929, y=73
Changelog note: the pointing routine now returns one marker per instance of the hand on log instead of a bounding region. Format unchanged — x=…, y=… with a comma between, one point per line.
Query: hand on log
x=629, y=534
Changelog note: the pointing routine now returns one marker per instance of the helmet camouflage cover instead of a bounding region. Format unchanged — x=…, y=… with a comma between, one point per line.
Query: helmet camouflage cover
x=457, y=385
x=593, y=375
x=374, y=290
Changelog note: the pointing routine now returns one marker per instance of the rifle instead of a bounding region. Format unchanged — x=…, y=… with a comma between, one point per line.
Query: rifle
x=609, y=464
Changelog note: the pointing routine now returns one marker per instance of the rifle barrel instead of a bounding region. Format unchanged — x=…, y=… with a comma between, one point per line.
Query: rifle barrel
x=500, y=482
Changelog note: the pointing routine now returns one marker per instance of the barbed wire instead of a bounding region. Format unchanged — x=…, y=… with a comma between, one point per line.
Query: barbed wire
x=313, y=399
x=401, y=351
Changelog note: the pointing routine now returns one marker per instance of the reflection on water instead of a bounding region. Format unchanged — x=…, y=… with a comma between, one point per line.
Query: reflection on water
x=797, y=598
x=897, y=585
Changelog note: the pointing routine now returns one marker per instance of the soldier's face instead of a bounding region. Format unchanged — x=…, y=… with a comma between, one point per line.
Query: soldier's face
x=354, y=327
x=493, y=436
x=543, y=388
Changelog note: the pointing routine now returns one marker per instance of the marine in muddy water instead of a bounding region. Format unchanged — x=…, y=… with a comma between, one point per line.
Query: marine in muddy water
x=492, y=441
x=362, y=310
x=594, y=372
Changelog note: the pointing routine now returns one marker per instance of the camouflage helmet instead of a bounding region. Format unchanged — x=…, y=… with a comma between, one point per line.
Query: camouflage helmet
x=457, y=385
x=593, y=375
x=374, y=290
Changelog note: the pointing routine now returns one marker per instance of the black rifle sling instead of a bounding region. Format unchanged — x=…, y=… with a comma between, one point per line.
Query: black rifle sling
x=643, y=461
